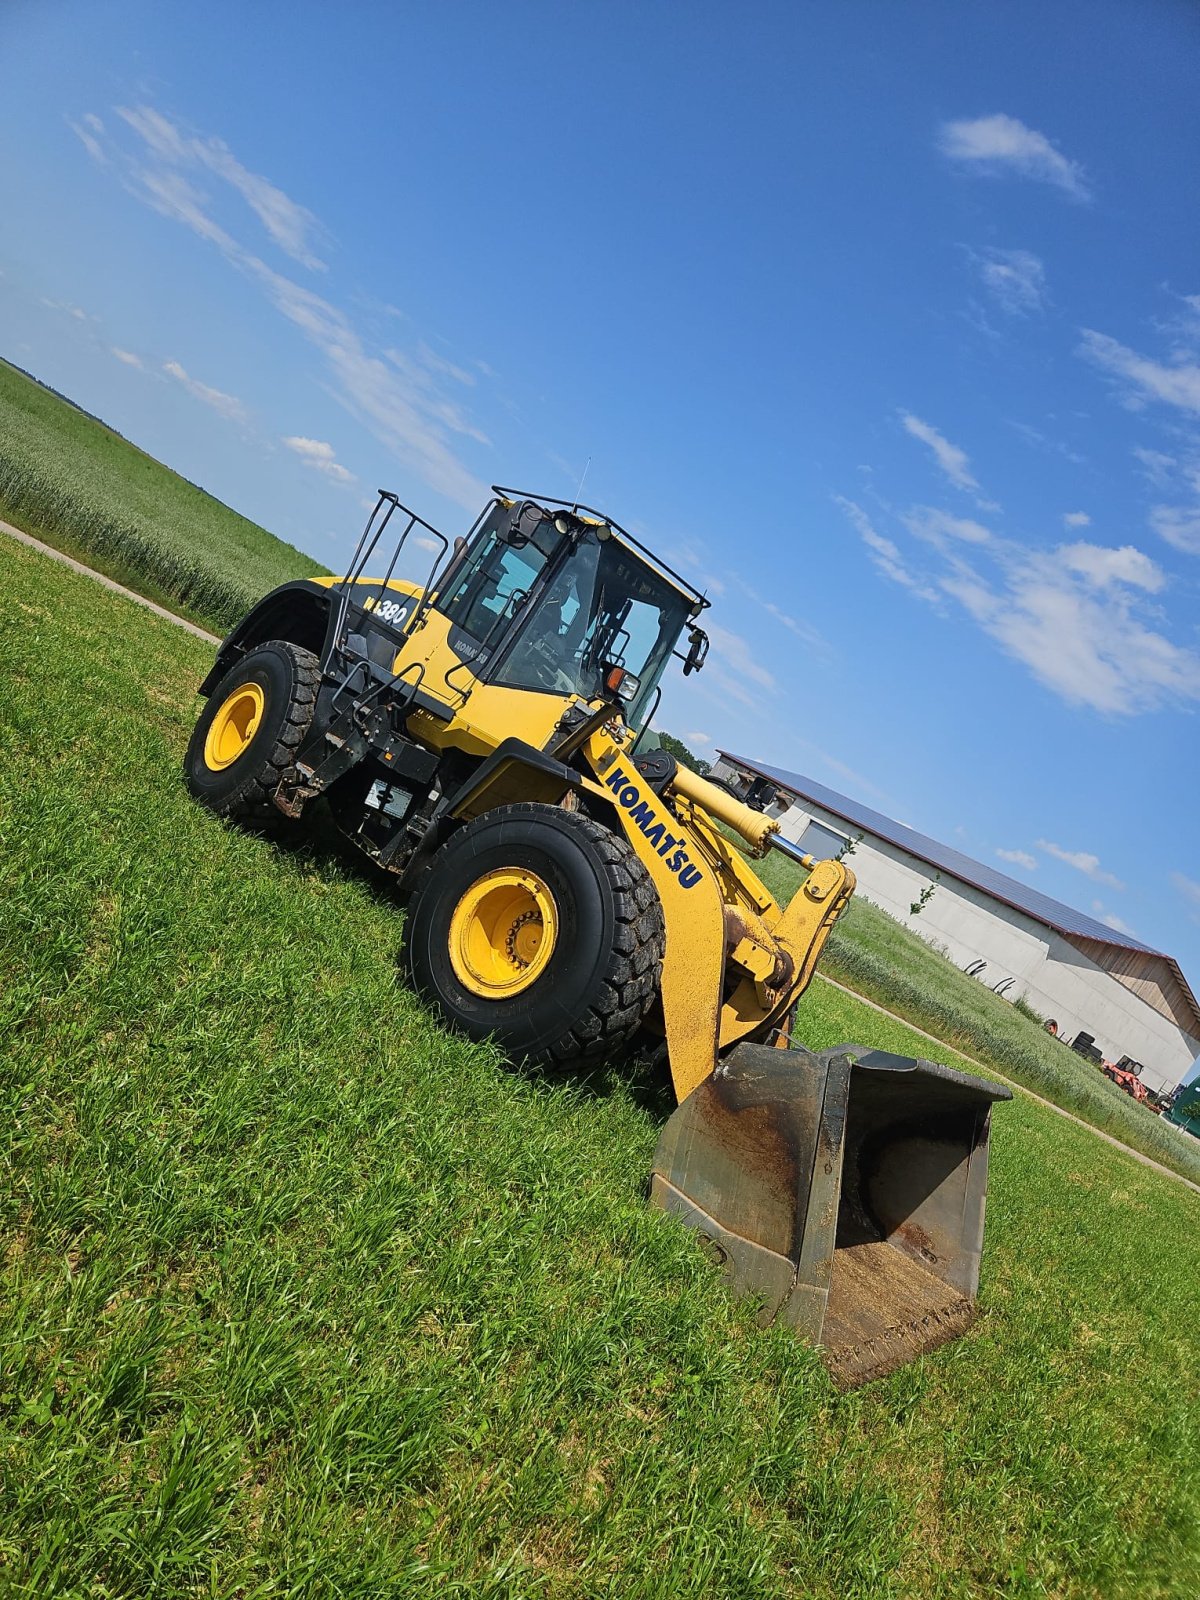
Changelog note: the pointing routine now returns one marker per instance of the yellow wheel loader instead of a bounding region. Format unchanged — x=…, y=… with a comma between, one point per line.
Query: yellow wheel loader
x=574, y=894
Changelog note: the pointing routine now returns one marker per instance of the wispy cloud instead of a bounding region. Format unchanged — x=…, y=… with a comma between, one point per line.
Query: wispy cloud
x=404, y=409
x=736, y=666
x=885, y=554
x=128, y=357
x=1003, y=144
x=1179, y=526
x=1043, y=441
x=1014, y=279
x=65, y=306
x=1157, y=466
x=290, y=225
x=1083, y=861
x=1189, y=889
x=939, y=528
x=1174, y=384
x=952, y=460
x=320, y=456
x=1077, y=622
x=1111, y=920
x=1076, y=519
x=799, y=629
x=87, y=130
x=1019, y=858
x=224, y=404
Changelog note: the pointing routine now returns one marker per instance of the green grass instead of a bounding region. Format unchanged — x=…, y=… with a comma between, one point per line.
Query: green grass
x=877, y=956
x=77, y=485
x=302, y=1296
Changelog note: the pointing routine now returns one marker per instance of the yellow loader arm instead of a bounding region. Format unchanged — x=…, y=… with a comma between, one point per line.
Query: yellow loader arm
x=735, y=963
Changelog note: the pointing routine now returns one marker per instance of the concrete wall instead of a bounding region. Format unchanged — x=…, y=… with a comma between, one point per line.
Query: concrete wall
x=1055, y=978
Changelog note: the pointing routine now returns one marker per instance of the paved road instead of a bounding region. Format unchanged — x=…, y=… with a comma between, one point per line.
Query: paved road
x=117, y=588
x=169, y=616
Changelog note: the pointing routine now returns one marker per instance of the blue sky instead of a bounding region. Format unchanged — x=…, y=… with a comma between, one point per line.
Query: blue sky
x=881, y=321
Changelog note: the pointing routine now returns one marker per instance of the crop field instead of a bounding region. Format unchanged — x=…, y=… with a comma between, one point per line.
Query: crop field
x=302, y=1296
x=77, y=485
x=877, y=956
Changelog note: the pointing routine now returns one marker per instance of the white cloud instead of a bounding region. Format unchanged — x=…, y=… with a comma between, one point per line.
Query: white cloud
x=953, y=461
x=1015, y=279
x=1076, y=519
x=290, y=225
x=697, y=738
x=317, y=454
x=884, y=553
x=937, y=527
x=1001, y=143
x=127, y=356
x=1080, y=633
x=1179, y=526
x=79, y=314
x=1177, y=384
x=1111, y=920
x=1083, y=861
x=411, y=417
x=1187, y=887
x=224, y=404
x=1156, y=464
x=86, y=132
x=803, y=631
x=1043, y=441
x=1019, y=858
x=735, y=665
x=1101, y=567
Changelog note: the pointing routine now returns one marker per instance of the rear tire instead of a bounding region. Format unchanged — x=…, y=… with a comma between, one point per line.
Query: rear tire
x=593, y=988
x=248, y=734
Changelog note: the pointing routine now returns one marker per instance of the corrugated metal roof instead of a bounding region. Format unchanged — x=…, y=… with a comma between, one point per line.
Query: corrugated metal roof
x=1054, y=914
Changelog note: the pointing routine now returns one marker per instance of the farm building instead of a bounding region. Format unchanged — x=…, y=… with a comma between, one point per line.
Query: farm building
x=1132, y=1000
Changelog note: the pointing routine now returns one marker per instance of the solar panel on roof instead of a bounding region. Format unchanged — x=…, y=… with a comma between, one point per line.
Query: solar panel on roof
x=1063, y=918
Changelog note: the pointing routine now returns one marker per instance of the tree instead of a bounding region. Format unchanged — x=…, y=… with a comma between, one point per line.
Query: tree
x=682, y=754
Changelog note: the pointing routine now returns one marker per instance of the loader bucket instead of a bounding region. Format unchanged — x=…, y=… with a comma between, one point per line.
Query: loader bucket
x=845, y=1190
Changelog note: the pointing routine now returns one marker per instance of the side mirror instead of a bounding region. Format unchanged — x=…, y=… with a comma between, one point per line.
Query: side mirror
x=697, y=651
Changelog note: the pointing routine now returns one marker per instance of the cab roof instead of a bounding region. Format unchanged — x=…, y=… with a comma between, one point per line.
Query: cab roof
x=598, y=519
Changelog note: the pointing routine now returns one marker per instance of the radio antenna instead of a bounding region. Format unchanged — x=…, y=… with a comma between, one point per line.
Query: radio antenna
x=579, y=491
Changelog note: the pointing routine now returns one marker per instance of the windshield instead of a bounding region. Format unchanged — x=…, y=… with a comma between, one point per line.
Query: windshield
x=603, y=607
x=498, y=576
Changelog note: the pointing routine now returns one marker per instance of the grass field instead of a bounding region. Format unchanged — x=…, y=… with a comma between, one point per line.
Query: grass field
x=70, y=480
x=877, y=956
x=303, y=1297
x=82, y=488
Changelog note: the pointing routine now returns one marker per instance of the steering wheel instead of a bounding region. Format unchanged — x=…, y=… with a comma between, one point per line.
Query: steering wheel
x=547, y=670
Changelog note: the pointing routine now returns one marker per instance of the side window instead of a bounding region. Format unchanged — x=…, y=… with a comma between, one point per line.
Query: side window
x=822, y=842
x=486, y=589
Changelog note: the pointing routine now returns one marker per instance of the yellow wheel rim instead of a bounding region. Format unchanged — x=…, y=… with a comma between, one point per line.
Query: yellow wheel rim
x=503, y=933
x=232, y=730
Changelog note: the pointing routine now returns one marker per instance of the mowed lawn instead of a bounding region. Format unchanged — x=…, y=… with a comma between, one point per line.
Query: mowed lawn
x=303, y=1296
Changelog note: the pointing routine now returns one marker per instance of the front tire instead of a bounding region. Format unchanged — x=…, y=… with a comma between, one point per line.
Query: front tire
x=538, y=927
x=248, y=734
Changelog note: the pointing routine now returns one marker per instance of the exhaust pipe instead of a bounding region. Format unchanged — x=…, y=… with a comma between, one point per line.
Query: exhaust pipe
x=845, y=1190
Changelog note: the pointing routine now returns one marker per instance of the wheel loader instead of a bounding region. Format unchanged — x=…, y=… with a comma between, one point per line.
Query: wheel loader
x=577, y=895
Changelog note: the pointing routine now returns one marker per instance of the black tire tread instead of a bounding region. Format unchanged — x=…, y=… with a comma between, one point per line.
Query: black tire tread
x=631, y=984
x=639, y=943
x=252, y=800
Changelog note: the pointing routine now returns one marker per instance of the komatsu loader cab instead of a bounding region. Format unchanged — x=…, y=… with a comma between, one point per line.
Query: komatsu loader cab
x=578, y=896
